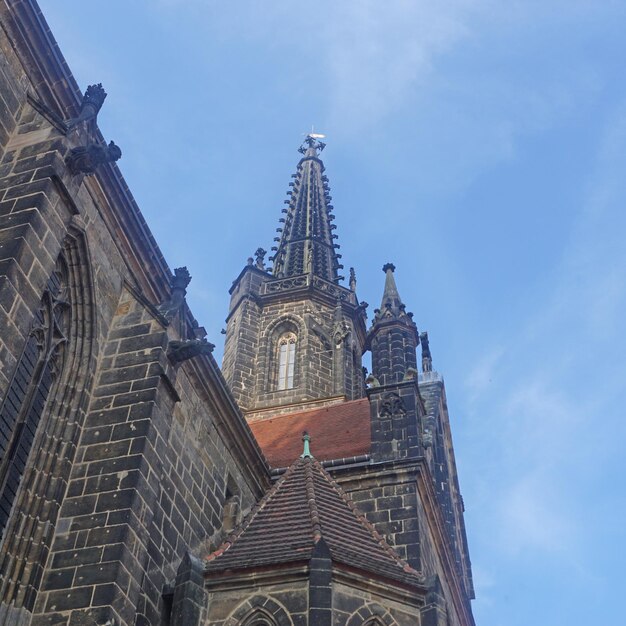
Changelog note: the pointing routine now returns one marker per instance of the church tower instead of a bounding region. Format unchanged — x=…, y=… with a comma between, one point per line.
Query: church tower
x=294, y=335
x=294, y=342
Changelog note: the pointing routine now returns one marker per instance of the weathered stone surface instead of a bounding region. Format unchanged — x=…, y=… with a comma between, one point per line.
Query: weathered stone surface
x=134, y=459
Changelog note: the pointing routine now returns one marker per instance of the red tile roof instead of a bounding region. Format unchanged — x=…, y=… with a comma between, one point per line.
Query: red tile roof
x=304, y=507
x=337, y=431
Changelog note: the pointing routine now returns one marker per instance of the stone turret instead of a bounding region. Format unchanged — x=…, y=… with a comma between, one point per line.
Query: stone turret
x=393, y=337
x=395, y=403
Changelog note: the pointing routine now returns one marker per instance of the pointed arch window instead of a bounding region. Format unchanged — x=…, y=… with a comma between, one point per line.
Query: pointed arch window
x=28, y=392
x=286, y=360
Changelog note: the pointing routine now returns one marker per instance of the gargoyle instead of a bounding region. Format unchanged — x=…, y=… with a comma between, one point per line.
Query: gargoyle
x=179, y=351
x=86, y=159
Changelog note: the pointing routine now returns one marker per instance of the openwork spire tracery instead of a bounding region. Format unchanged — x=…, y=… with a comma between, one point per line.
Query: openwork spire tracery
x=306, y=241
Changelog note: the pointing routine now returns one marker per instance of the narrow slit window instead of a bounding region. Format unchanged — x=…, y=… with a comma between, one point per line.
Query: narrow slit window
x=286, y=360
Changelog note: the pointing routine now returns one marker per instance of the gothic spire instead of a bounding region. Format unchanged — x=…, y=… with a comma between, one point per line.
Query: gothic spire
x=391, y=305
x=393, y=337
x=306, y=244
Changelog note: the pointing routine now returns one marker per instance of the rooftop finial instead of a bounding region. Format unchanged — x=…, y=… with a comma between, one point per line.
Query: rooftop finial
x=389, y=266
x=306, y=454
x=312, y=146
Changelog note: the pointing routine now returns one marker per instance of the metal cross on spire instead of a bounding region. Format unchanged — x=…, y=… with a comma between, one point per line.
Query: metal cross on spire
x=312, y=142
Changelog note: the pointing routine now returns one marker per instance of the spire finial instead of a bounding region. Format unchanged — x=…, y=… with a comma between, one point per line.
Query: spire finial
x=389, y=266
x=312, y=146
x=306, y=438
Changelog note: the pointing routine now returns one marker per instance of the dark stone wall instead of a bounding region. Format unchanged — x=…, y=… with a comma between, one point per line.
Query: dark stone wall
x=132, y=455
x=148, y=482
x=353, y=607
x=286, y=603
x=396, y=421
x=388, y=498
x=328, y=351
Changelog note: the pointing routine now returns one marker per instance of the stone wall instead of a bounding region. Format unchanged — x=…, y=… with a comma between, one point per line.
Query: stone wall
x=287, y=603
x=388, y=499
x=328, y=352
x=132, y=453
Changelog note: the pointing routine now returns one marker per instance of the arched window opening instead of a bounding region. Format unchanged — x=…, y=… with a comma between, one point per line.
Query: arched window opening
x=286, y=360
x=259, y=617
x=36, y=371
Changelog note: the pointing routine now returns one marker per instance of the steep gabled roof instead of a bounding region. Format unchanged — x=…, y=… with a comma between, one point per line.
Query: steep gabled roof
x=339, y=431
x=305, y=506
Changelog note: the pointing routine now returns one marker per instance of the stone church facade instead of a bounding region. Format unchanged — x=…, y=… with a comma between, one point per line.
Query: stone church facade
x=142, y=484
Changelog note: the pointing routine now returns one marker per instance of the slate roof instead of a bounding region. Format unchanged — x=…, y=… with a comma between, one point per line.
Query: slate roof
x=339, y=431
x=302, y=508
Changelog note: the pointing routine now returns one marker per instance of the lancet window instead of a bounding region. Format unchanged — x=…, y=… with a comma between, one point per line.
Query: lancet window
x=26, y=397
x=286, y=360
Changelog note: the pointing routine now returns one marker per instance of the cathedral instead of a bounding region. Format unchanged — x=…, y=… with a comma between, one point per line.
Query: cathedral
x=143, y=484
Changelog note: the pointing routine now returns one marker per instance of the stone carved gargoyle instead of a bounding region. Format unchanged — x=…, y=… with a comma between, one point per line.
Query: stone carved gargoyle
x=179, y=351
x=86, y=159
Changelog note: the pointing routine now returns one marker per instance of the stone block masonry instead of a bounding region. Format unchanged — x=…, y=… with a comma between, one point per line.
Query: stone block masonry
x=148, y=484
x=131, y=456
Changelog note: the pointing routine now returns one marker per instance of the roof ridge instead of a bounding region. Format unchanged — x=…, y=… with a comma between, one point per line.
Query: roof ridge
x=316, y=525
x=368, y=525
x=254, y=511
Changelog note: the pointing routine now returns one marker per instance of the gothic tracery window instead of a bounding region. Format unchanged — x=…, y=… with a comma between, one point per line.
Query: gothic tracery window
x=28, y=392
x=286, y=360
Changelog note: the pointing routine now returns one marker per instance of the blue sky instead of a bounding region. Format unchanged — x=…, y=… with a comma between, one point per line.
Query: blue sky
x=478, y=145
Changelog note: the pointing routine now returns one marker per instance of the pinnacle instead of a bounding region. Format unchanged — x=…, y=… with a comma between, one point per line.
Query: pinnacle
x=391, y=306
x=391, y=301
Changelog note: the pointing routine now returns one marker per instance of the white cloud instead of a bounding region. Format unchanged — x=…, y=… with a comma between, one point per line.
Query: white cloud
x=376, y=53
